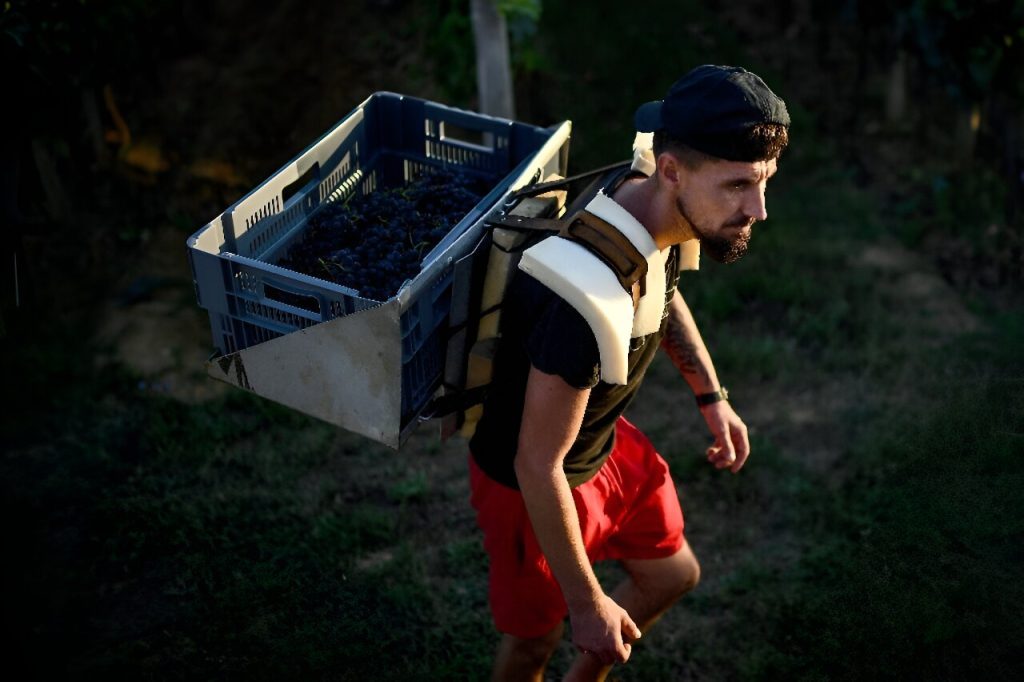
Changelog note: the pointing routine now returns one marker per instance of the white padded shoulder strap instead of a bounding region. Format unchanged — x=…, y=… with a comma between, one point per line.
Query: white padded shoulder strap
x=589, y=286
x=647, y=319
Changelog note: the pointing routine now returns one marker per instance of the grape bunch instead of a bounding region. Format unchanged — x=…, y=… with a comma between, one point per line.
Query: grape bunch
x=373, y=243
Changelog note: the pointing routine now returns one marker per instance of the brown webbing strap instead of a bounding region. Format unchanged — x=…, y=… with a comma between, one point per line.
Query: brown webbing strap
x=611, y=246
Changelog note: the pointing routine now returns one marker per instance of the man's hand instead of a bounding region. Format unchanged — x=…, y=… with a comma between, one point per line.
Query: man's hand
x=603, y=629
x=731, y=447
x=684, y=346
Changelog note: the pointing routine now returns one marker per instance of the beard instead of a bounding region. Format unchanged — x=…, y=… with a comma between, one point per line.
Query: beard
x=717, y=247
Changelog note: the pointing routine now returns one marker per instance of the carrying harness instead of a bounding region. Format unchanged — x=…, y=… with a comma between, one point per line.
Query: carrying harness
x=530, y=215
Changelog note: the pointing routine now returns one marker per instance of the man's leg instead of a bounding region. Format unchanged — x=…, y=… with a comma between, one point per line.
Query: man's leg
x=525, y=659
x=652, y=587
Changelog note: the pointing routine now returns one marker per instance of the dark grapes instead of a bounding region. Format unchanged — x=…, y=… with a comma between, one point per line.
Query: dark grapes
x=373, y=243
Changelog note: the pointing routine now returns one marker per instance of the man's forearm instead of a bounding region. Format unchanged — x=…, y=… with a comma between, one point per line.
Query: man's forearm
x=552, y=414
x=599, y=625
x=552, y=512
x=684, y=345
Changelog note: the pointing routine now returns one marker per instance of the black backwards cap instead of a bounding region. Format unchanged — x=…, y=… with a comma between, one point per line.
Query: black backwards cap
x=707, y=108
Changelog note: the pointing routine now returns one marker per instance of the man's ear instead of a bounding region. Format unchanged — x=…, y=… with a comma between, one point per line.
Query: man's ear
x=669, y=168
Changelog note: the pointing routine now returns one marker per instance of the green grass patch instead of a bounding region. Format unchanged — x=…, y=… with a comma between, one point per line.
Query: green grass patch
x=235, y=539
x=912, y=570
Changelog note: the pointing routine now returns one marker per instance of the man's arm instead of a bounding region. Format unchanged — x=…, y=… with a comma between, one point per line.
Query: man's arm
x=684, y=345
x=552, y=415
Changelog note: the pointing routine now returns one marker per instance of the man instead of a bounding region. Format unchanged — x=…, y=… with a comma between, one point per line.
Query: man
x=560, y=479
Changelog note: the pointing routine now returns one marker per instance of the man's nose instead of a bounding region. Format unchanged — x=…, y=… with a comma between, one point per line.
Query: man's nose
x=756, y=207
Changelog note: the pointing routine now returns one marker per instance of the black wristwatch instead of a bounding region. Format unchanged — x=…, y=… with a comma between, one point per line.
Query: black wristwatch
x=713, y=397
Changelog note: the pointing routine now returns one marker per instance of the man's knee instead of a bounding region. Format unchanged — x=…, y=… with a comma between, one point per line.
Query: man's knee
x=528, y=652
x=679, y=577
x=689, y=573
x=669, y=578
x=543, y=644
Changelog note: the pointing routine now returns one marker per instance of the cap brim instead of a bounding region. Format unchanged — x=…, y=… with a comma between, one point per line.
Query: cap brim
x=648, y=117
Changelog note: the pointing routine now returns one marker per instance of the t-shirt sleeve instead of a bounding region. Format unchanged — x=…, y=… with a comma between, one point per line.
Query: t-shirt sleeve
x=559, y=341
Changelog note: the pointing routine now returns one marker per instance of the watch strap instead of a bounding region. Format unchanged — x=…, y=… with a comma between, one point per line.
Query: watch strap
x=713, y=397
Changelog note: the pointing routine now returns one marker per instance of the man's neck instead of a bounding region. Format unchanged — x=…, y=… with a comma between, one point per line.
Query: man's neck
x=655, y=211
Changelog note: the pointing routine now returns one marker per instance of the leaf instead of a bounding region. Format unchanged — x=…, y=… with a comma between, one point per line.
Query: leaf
x=144, y=156
x=218, y=171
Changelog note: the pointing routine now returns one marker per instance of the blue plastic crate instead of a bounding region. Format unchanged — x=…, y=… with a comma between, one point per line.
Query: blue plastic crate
x=387, y=141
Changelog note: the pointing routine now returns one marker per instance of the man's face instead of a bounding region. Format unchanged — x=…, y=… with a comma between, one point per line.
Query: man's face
x=721, y=200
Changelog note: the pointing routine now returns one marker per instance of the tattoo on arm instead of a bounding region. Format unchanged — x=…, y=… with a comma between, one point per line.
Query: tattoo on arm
x=684, y=353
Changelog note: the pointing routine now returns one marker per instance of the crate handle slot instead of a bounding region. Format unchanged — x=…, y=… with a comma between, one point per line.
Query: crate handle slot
x=303, y=183
x=466, y=137
x=293, y=297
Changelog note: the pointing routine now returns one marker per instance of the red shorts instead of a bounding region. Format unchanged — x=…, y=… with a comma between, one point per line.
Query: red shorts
x=628, y=510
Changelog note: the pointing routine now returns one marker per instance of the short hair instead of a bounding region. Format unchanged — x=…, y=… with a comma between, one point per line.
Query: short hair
x=760, y=142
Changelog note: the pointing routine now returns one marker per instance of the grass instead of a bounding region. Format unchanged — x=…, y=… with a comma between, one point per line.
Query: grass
x=900, y=561
x=165, y=540
x=913, y=567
